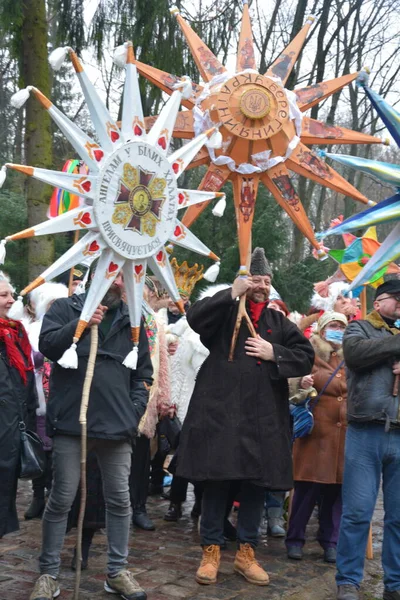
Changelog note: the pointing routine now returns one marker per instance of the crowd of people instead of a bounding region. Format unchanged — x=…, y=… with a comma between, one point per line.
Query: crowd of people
x=229, y=424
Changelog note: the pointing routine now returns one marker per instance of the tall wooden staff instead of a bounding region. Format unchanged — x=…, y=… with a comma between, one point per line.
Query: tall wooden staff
x=363, y=298
x=244, y=194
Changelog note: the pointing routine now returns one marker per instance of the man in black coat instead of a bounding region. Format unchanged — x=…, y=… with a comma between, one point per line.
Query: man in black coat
x=118, y=399
x=237, y=426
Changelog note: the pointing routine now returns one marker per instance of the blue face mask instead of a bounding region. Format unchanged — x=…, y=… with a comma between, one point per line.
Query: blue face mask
x=334, y=335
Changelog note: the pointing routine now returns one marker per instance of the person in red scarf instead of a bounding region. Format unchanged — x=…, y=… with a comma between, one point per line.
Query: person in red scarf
x=17, y=398
x=237, y=427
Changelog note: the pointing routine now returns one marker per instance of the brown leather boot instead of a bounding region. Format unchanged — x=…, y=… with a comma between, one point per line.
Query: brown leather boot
x=208, y=569
x=246, y=564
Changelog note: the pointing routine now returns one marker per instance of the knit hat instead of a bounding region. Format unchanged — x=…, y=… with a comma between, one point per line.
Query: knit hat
x=330, y=316
x=259, y=264
x=334, y=291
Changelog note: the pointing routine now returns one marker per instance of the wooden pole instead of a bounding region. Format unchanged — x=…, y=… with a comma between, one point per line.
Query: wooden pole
x=363, y=298
x=242, y=313
x=370, y=552
x=71, y=272
x=82, y=420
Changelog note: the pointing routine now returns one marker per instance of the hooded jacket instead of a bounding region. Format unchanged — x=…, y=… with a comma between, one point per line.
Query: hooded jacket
x=370, y=347
x=118, y=395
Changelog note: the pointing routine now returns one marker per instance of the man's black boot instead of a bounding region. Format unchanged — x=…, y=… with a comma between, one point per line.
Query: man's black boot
x=174, y=512
x=35, y=509
x=141, y=519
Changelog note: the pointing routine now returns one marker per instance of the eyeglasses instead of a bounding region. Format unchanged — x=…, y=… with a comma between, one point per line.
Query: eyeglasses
x=394, y=296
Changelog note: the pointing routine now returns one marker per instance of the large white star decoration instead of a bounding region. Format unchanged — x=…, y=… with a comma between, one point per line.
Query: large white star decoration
x=131, y=197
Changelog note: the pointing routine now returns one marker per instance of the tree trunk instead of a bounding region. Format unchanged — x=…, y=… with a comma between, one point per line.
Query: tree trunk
x=38, y=143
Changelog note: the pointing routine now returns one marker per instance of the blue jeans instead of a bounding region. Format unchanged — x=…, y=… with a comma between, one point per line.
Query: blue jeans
x=369, y=454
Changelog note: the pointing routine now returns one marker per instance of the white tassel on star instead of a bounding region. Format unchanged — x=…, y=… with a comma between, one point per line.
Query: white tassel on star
x=186, y=86
x=131, y=359
x=212, y=272
x=58, y=56
x=3, y=251
x=69, y=359
x=120, y=54
x=215, y=141
x=16, y=312
x=219, y=208
x=19, y=98
x=3, y=173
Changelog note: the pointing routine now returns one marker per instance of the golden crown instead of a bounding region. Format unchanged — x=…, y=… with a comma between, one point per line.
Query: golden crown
x=186, y=277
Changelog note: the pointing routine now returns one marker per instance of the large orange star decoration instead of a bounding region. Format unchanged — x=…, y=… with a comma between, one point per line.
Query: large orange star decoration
x=264, y=132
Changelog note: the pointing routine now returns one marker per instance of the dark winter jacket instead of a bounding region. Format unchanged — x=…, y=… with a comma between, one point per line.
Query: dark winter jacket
x=370, y=347
x=237, y=425
x=118, y=395
x=13, y=394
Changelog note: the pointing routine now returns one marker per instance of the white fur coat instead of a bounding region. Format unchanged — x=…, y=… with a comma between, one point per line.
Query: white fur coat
x=185, y=363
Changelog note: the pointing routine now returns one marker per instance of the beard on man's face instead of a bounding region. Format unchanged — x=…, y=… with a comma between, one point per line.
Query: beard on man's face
x=113, y=297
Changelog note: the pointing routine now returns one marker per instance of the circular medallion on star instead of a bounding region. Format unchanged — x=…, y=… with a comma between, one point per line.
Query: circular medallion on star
x=130, y=196
x=265, y=134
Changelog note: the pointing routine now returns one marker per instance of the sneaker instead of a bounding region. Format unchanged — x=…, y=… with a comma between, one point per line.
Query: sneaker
x=330, y=556
x=46, y=588
x=294, y=552
x=125, y=585
x=347, y=592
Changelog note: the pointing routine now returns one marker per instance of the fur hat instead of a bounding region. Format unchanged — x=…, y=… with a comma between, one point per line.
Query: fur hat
x=334, y=291
x=330, y=316
x=259, y=264
x=46, y=293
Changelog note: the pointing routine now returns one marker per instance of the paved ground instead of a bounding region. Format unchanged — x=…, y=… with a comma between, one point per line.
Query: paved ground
x=165, y=561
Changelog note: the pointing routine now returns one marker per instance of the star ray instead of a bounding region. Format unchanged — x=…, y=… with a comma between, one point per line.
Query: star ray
x=162, y=269
x=132, y=111
x=90, y=245
x=73, y=220
x=311, y=95
x=75, y=183
x=106, y=128
x=278, y=181
x=245, y=55
x=317, y=132
x=283, y=65
x=207, y=63
x=304, y=161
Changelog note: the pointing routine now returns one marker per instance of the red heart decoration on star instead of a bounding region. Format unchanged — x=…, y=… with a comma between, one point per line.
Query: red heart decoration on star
x=162, y=142
x=138, y=269
x=175, y=168
x=114, y=135
x=181, y=198
x=98, y=154
x=86, y=218
x=112, y=267
x=137, y=130
x=160, y=256
x=177, y=231
x=94, y=247
x=86, y=186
